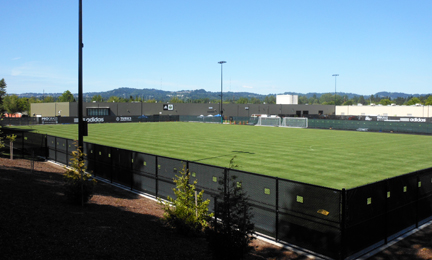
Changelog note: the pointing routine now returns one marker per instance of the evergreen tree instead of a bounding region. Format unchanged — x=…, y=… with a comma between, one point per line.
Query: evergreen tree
x=230, y=237
x=2, y=93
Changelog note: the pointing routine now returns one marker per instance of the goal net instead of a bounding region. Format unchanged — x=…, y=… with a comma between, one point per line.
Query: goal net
x=269, y=121
x=300, y=122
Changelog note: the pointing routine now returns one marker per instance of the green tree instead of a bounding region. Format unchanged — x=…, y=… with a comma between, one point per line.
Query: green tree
x=201, y=100
x=242, y=100
x=399, y=101
x=413, y=101
x=385, y=102
x=78, y=184
x=313, y=100
x=302, y=100
x=255, y=100
x=3, y=86
x=24, y=104
x=48, y=99
x=97, y=98
x=188, y=213
x=270, y=99
x=175, y=100
x=326, y=98
x=362, y=100
x=114, y=99
x=348, y=103
x=151, y=101
x=11, y=104
x=428, y=101
x=67, y=96
x=230, y=237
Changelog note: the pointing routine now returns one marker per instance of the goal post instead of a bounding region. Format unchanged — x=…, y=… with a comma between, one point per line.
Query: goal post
x=269, y=121
x=300, y=122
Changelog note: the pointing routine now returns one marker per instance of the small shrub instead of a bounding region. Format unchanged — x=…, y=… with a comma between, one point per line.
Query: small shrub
x=232, y=231
x=78, y=186
x=188, y=213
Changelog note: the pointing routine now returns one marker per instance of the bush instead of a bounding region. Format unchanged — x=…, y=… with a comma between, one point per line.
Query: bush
x=78, y=186
x=188, y=213
x=232, y=231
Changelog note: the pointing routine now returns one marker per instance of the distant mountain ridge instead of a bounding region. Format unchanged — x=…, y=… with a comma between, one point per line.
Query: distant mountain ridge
x=163, y=95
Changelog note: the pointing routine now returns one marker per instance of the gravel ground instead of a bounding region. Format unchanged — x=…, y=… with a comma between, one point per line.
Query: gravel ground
x=37, y=223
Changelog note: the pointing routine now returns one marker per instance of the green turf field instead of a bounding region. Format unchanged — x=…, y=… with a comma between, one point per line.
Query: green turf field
x=336, y=159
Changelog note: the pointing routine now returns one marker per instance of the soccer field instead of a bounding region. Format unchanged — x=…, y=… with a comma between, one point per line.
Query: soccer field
x=330, y=158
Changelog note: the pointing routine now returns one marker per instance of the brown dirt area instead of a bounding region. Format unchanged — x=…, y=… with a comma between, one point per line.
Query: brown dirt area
x=37, y=223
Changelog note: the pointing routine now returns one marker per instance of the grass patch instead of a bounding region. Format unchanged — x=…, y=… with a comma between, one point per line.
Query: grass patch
x=336, y=159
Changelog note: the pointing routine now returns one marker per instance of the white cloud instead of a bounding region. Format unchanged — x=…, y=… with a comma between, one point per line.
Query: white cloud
x=247, y=87
x=16, y=58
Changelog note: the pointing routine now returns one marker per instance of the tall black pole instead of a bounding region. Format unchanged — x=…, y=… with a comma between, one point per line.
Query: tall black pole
x=335, y=75
x=80, y=82
x=221, y=109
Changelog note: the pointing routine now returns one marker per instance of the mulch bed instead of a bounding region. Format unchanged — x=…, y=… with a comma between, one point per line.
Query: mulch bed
x=36, y=222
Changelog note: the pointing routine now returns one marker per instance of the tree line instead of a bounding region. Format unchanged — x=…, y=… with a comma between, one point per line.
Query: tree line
x=13, y=103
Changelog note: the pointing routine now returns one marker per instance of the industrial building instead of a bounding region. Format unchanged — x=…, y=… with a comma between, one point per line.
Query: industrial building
x=67, y=109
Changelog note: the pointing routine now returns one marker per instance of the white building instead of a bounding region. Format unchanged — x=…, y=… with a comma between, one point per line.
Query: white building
x=287, y=99
x=379, y=110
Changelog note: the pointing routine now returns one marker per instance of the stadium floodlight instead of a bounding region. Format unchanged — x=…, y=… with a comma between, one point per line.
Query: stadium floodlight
x=335, y=75
x=221, y=112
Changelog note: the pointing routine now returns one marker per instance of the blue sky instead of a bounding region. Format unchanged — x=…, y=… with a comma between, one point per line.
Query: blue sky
x=270, y=46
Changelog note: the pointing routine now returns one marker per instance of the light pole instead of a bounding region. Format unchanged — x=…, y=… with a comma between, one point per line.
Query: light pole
x=221, y=111
x=335, y=75
x=81, y=124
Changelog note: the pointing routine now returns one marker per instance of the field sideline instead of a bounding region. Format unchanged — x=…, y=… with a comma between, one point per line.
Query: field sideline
x=330, y=158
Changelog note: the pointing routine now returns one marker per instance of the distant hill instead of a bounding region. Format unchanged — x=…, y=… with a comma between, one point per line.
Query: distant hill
x=163, y=95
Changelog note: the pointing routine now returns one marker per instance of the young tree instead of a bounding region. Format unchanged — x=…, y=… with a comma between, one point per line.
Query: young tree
x=230, y=237
x=78, y=184
x=11, y=139
x=188, y=213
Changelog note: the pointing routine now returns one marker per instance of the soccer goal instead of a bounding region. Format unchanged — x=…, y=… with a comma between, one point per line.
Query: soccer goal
x=300, y=122
x=269, y=121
